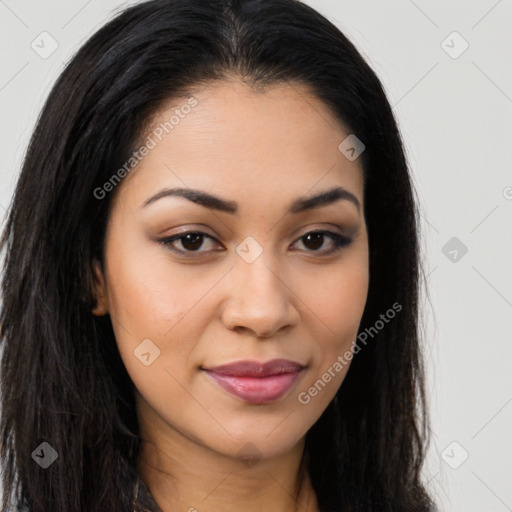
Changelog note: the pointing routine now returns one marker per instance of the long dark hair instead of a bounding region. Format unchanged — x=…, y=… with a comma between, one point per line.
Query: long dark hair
x=63, y=381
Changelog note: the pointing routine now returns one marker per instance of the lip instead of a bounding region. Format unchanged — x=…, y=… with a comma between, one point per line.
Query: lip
x=256, y=382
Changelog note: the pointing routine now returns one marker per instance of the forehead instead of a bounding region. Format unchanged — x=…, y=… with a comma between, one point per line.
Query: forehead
x=275, y=144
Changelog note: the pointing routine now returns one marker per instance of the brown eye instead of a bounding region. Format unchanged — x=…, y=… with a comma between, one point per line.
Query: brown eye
x=193, y=241
x=315, y=240
x=190, y=241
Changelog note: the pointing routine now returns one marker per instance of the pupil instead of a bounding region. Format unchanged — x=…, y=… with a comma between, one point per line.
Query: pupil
x=190, y=241
x=318, y=237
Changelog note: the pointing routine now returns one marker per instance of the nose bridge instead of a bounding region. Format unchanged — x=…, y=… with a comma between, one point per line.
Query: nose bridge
x=258, y=298
x=258, y=274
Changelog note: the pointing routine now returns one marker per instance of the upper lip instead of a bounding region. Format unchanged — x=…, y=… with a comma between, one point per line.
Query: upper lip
x=257, y=369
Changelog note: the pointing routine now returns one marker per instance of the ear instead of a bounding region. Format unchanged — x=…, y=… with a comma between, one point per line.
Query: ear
x=100, y=291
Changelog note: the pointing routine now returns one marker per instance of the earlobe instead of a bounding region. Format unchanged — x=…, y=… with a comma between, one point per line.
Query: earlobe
x=100, y=294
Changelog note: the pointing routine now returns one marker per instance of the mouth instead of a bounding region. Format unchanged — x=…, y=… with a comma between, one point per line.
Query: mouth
x=255, y=382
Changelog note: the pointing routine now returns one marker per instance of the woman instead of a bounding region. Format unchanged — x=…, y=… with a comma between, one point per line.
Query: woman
x=211, y=275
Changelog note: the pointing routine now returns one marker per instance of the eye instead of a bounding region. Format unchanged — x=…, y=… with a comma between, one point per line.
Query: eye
x=192, y=241
x=314, y=240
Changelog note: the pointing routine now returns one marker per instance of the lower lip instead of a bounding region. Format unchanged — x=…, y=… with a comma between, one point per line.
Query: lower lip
x=256, y=390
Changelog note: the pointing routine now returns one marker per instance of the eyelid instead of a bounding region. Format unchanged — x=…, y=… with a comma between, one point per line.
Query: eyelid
x=339, y=240
x=168, y=240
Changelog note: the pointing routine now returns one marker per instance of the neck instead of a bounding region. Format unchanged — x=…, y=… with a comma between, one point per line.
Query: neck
x=183, y=474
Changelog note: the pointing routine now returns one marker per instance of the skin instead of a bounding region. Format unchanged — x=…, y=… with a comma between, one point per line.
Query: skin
x=263, y=150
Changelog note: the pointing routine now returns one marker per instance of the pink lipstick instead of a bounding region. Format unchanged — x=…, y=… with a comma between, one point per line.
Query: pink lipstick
x=255, y=382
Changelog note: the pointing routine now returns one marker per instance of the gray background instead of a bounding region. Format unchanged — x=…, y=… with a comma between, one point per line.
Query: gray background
x=454, y=109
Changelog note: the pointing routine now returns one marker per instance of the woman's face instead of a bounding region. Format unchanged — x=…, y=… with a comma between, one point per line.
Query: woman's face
x=253, y=286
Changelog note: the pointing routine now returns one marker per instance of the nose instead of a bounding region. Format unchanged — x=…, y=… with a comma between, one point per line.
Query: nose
x=260, y=302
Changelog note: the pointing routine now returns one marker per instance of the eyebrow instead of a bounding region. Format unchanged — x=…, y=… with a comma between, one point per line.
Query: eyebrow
x=216, y=203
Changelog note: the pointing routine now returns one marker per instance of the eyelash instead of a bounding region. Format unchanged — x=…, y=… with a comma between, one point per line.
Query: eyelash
x=340, y=241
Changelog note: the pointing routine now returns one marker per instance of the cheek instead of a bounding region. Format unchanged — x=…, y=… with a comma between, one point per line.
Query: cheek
x=147, y=294
x=150, y=310
x=335, y=298
x=349, y=299
x=344, y=301
x=152, y=299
